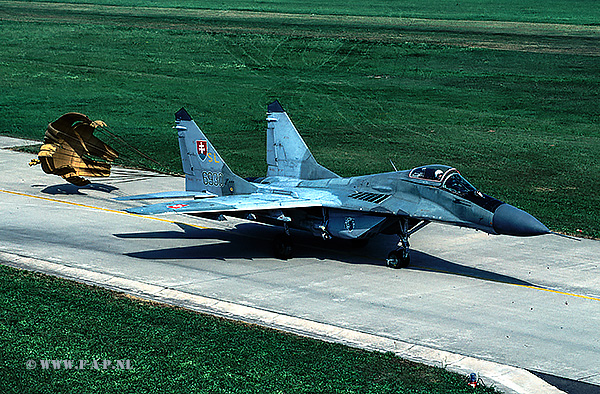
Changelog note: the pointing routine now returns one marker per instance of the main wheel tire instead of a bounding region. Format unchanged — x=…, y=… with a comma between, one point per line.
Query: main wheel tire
x=283, y=247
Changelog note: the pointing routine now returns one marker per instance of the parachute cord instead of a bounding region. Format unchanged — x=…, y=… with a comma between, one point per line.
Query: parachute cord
x=106, y=130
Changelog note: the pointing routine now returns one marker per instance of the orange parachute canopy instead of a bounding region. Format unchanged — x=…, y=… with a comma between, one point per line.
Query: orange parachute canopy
x=72, y=151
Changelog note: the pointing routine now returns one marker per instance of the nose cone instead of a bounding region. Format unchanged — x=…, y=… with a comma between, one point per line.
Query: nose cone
x=509, y=220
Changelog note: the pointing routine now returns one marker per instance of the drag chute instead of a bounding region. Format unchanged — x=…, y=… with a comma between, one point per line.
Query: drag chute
x=72, y=151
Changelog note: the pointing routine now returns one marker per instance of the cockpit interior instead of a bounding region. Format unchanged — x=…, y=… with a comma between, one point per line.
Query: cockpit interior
x=448, y=178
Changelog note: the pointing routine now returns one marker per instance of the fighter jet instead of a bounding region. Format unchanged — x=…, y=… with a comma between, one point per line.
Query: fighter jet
x=299, y=193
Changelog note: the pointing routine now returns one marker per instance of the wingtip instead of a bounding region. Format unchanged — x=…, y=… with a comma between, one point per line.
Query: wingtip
x=135, y=210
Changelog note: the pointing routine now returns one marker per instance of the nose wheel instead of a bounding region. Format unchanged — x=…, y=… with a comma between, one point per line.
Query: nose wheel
x=398, y=259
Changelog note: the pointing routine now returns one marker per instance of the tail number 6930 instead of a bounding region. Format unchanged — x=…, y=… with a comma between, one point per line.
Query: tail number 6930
x=210, y=178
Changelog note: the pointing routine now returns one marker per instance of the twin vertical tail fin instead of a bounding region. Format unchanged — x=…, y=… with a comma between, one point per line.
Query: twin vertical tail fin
x=287, y=153
x=204, y=168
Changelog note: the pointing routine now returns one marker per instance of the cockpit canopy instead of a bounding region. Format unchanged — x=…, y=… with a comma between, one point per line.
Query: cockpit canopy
x=447, y=177
x=433, y=173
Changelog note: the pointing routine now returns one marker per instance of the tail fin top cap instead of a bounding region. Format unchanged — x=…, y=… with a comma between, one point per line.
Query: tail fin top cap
x=275, y=106
x=182, y=114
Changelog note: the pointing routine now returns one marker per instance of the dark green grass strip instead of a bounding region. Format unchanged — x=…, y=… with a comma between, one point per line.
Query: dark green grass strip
x=178, y=351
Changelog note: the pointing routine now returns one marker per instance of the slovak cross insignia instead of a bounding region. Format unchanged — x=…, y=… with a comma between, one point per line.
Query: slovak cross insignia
x=202, y=148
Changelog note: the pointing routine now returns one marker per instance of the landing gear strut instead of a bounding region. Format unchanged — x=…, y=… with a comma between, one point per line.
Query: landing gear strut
x=282, y=245
x=400, y=258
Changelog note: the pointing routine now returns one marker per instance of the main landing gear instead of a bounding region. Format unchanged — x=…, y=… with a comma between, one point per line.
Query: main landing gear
x=400, y=257
x=283, y=245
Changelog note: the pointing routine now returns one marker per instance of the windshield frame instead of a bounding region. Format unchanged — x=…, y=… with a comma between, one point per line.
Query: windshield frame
x=468, y=189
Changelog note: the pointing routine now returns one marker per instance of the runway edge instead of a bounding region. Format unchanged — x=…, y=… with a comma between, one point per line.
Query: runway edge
x=508, y=379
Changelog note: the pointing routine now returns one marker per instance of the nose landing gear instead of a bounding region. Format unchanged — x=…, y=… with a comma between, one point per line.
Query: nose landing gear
x=400, y=258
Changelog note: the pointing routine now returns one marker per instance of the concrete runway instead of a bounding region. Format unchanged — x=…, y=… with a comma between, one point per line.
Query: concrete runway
x=532, y=303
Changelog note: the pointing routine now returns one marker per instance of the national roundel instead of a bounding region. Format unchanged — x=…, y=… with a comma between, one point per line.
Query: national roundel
x=202, y=148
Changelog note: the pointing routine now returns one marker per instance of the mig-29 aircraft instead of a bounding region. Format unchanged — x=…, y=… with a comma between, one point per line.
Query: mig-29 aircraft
x=299, y=193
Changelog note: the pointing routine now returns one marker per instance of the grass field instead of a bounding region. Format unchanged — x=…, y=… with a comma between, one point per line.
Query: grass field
x=513, y=105
x=172, y=350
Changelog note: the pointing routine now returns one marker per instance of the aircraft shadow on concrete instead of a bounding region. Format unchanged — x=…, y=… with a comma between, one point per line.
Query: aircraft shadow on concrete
x=71, y=189
x=239, y=245
x=424, y=262
x=228, y=245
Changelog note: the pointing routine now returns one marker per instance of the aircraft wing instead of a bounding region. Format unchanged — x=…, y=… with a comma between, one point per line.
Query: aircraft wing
x=235, y=203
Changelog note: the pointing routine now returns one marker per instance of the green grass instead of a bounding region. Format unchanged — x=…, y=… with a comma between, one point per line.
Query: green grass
x=520, y=122
x=173, y=350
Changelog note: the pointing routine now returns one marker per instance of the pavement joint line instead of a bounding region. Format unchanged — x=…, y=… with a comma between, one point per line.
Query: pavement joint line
x=511, y=380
